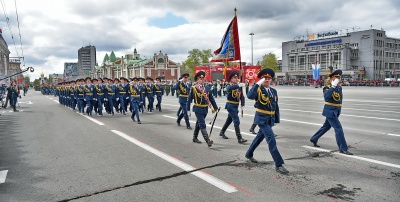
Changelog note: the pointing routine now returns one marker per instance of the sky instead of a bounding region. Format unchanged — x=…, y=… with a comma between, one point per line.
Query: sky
x=52, y=31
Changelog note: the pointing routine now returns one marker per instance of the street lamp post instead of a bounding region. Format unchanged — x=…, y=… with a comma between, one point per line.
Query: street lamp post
x=251, y=34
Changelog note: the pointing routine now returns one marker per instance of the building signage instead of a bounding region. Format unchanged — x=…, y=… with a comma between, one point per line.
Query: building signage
x=314, y=36
x=323, y=42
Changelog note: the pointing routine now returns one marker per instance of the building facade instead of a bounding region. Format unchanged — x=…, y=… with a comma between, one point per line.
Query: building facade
x=4, y=57
x=86, y=60
x=367, y=54
x=132, y=65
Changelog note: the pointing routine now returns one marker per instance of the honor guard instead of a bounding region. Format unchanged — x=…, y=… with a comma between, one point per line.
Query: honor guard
x=333, y=97
x=234, y=98
x=123, y=94
x=72, y=92
x=159, y=92
x=135, y=99
x=95, y=82
x=267, y=114
x=116, y=101
x=100, y=90
x=150, y=93
x=110, y=89
x=202, y=98
x=142, y=87
x=79, y=91
x=89, y=90
x=184, y=87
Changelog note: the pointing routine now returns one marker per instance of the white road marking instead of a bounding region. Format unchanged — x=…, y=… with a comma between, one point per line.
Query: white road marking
x=393, y=134
x=356, y=157
x=184, y=166
x=92, y=119
x=3, y=175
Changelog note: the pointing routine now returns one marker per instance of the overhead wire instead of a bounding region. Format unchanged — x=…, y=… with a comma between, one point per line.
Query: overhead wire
x=19, y=32
x=9, y=26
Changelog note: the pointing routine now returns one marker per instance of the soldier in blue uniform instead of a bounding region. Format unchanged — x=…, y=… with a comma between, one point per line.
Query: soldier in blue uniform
x=110, y=89
x=142, y=87
x=159, y=92
x=333, y=97
x=95, y=82
x=73, y=95
x=79, y=92
x=267, y=114
x=135, y=99
x=202, y=97
x=123, y=92
x=89, y=90
x=150, y=93
x=234, y=98
x=116, y=101
x=184, y=87
x=100, y=95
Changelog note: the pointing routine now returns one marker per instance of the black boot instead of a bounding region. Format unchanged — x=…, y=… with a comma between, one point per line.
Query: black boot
x=252, y=128
x=238, y=135
x=205, y=136
x=222, y=133
x=196, y=134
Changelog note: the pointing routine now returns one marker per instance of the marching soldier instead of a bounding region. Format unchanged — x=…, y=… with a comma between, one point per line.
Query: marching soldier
x=150, y=93
x=142, y=87
x=110, y=89
x=123, y=92
x=73, y=95
x=184, y=87
x=234, y=96
x=79, y=91
x=89, y=90
x=159, y=92
x=116, y=101
x=95, y=103
x=267, y=114
x=333, y=105
x=135, y=99
x=203, y=99
x=167, y=88
x=100, y=95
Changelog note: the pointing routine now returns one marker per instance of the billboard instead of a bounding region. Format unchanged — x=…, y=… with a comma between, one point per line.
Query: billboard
x=71, y=69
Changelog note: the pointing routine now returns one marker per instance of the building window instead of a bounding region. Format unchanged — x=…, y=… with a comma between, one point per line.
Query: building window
x=148, y=72
x=160, y=60
x=172, y=72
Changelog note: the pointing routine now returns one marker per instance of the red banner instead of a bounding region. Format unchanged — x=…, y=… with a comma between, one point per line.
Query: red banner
x=250, y=73
x=205, y=69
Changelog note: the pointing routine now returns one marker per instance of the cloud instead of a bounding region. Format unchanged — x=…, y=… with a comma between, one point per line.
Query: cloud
x=53, y=31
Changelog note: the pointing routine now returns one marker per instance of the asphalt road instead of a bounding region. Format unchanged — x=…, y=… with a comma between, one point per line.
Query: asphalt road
x=51, y=153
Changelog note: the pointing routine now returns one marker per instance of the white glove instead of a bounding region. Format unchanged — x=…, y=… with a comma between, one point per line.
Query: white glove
x=180, y=80
x=105, y=99
x=117, y=99
x=335, y=82
x=241, y=84
x=261, y=81
x=84, y=100
x=94, y=98
x=127, y=98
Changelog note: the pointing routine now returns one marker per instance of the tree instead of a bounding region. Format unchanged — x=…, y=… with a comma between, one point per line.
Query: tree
x=196, y=57
x=36, y=82
x=269, y=61
x=27, y=80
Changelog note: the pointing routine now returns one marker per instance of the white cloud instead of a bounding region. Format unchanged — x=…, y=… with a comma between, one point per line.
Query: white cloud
x=53, y=31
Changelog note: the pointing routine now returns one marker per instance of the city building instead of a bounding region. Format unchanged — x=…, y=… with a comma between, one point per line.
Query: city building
x=86, y=60
x=4, y=57
x=368, y=54
x=14, y=67
x=132, y=65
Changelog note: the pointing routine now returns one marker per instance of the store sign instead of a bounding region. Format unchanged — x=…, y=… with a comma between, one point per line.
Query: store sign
x=323, y=42
x=314, y=36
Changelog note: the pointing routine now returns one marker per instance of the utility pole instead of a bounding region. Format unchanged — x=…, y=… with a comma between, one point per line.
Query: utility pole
x=251, y=34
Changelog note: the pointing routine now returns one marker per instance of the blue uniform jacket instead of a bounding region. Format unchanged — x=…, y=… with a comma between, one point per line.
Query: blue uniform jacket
x=100, y=91
x=135, y=93
x=267, y=109
x=184, y=89
x=234, y=97
x=89, y=90
x=79, y=92
x=200, y=102
x=333, y=101
x=123, y=90
x=149, y=90
x=158, y=90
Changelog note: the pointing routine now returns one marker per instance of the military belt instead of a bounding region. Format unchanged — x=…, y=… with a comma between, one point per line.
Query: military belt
x=265, y=111
x=135, y=95
x=183, y=95
x=333, y=104
x=100, y=93
x=111, y=93
x=80, y=94
x=232, y=102
x=201, y=105
x=89, y=93
x=158, y=91
x=122, y=92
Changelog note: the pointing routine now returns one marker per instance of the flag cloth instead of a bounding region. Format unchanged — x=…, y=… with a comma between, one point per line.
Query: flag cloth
x=315, y=70
x=230, y=47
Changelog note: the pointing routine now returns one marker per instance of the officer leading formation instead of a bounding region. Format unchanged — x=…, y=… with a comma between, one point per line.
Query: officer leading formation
x=140, y=94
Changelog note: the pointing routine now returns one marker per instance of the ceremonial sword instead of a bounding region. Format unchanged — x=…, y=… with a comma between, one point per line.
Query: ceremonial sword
x=213, y=121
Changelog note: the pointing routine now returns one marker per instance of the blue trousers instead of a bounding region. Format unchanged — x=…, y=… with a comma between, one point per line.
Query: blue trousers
x=183, y=114
x=151, y=101
x=100, y=105
x=81, y=107
x=267, y=133
x=201, y=120
x=122, y=99
x=135, y=110
x=232, y=116
x=110, y=102
x=159, y=99
x=335, y=123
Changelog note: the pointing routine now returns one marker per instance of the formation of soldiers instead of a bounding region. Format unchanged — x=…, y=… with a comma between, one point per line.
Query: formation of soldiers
x=88, y=95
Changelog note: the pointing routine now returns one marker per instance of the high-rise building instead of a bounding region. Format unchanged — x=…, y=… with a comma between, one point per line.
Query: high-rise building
x=86, y=60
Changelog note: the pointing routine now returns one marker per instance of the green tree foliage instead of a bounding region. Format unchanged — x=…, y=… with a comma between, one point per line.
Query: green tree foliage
x=196, y=57
x=27, y=80
x=269, y=61
x=36, y=82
